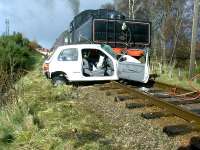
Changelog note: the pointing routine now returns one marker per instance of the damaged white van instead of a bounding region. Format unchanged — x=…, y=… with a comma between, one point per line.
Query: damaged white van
x=93, y=62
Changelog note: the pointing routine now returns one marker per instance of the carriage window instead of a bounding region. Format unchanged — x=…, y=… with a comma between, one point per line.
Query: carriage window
x=70, y=54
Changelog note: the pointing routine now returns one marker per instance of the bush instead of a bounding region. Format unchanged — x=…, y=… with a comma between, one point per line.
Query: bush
x=17, y=56
x=15, y=53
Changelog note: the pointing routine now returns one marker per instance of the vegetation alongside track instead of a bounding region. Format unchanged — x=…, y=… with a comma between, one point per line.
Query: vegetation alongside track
x=47, y=117
x=66, y=117
x=175, y=76
x=16, y=53
x=17, y=57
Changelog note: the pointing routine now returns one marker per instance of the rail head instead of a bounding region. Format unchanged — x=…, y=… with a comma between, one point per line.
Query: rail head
x=176, y=110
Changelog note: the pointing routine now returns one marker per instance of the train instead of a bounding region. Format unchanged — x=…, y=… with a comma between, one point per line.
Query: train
x=111, y=27
x=128, y=39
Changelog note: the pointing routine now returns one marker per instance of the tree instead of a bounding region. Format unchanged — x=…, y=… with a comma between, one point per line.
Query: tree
x=133, y=7
x=15, y=53
x=34, y=44
x=170, y=24
x=194, y=38
x=108, y=6
x=177, y=20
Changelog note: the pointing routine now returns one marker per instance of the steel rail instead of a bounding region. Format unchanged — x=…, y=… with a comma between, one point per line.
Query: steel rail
x=169, y=87
x=191, y=117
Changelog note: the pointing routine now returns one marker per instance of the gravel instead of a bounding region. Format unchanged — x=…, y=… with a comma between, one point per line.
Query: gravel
x=129, y=130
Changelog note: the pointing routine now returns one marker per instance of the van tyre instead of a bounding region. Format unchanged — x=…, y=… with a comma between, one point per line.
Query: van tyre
x=58, y=80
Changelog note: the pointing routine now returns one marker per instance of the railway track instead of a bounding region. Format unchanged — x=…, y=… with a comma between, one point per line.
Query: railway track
x=159, y=94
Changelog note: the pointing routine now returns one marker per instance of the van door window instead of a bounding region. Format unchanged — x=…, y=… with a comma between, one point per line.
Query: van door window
x=70, y=54
x=96, y=63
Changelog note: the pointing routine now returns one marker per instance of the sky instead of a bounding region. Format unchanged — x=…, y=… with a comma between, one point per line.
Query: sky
x=41, y=20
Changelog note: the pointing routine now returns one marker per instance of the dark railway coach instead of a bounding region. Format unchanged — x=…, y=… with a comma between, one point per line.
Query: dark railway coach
x=109, y=27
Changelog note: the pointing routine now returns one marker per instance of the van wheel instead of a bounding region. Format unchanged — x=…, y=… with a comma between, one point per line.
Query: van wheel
x=58, y=80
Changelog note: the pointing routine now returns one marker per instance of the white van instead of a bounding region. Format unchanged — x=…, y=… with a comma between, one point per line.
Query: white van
x=93, y=62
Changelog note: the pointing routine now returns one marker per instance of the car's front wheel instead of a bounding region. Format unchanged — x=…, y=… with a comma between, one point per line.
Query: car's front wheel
x=58, y=80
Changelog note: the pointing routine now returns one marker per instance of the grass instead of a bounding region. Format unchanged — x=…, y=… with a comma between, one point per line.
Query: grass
x=176, y=79
x=47, y=117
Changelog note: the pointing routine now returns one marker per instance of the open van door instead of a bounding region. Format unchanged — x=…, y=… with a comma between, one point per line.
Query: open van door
x=132, y=69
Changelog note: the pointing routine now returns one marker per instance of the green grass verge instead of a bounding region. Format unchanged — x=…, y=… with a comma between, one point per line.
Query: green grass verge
x=47, y=117
x=177, y=78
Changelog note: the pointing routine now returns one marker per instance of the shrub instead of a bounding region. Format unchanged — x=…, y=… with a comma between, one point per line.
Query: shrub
x=17, y=55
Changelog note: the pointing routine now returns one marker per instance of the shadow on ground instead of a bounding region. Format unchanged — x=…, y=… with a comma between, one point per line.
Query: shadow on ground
x=88, y=83
x=194, y=144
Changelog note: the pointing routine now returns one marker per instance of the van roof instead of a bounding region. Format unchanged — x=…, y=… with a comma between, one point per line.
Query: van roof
x=80, y=46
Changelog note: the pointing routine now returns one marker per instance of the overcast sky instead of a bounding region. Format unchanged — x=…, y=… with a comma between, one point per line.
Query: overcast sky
x=41, y=20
